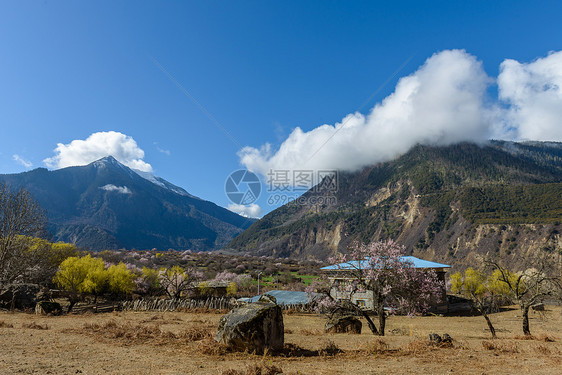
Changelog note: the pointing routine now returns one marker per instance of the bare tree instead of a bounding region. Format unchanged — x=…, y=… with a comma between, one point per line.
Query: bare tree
x=176, y=280
x=535, y=284
x=20, y=214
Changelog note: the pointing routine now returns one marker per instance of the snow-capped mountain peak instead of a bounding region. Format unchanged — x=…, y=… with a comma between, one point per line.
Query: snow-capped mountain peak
x=163, y=183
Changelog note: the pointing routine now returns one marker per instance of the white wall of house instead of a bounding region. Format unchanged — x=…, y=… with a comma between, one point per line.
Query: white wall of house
x=365, y=299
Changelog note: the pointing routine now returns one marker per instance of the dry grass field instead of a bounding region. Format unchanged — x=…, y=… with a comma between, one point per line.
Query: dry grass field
x=181, y=343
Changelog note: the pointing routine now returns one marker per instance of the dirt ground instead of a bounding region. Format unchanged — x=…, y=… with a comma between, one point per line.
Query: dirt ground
x=180, y=343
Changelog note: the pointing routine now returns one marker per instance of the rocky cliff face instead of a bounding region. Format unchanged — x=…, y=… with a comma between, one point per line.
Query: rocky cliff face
x=449, y=204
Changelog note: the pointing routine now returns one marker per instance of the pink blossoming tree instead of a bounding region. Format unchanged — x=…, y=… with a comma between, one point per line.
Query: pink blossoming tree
x=380, y=269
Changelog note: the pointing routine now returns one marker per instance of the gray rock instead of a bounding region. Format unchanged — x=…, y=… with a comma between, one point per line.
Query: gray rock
x=343, y=324
x=19, y=296
x=48, y=307
x=255, y=327
x=266, y=298
x=435, y=338
x=445, y=341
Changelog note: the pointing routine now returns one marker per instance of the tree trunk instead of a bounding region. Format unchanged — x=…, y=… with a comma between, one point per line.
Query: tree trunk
x=72, y=303
x=526, y=330
x=381, y=314
x=72, y=298
x=490, y=326
x=370, y=323
x=382, y=323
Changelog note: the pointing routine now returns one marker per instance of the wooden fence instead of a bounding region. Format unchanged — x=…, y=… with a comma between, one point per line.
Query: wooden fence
x=214, y=303
x=95, y=308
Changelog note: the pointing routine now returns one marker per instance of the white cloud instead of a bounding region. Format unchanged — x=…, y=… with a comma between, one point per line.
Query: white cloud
x=533, y=92
x=22, y=161
x=164, y=151
x=119, y=189
x=96, y=146
x=443, y=102
x=252, y=210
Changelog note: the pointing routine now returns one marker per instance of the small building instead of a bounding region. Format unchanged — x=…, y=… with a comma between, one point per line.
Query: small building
x=340, y=273
x=212, y=288
x=287, y=298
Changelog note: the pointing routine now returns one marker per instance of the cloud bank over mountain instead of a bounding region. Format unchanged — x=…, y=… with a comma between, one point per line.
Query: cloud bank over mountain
x=98, y=145
x=118, y=189
x=533, y=93
x=251, y=211
x=445, y=101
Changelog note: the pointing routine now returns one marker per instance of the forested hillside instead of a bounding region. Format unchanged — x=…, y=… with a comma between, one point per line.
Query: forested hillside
x=444, y=203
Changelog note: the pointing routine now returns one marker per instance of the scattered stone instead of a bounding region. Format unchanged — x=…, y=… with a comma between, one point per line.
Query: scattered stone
x=48, y=307
x=343, y=324
x=447, y=339
x=255, y=327
x=443, y=341
x=435, y=338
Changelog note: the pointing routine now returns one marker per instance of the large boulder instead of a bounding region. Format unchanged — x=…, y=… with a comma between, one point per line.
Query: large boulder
x=254, y=327
x=343, y=324
x=19, y=296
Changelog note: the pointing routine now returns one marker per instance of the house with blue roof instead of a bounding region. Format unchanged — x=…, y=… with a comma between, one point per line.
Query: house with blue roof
x=340, y=273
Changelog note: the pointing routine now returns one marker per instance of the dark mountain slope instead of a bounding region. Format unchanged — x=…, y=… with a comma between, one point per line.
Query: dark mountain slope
x=107, y=205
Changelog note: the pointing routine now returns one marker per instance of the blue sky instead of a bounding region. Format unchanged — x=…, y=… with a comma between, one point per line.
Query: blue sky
x=260, y=69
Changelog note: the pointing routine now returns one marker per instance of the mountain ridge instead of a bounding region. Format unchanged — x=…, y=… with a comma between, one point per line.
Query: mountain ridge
x=437, y=201
x=107, y=205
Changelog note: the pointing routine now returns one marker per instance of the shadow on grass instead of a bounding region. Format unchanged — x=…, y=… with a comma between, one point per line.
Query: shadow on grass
x=474, y=312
